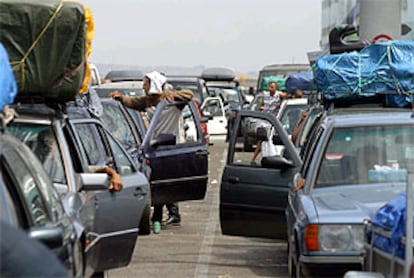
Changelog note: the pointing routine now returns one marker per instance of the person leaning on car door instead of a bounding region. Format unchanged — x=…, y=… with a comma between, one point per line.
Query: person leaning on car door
x=153, y=86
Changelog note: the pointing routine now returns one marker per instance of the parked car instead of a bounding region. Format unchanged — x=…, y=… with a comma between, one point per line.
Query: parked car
x=341, y=184
x=124, y=75
x=110, y=219
x=193, y=83
x=213, y=108
x=29, y=201
x=128, y=88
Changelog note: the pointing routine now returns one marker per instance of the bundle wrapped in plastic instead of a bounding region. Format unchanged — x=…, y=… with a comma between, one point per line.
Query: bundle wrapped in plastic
x=8, y=87
x=280, y=81
x=386, y=67
x=300, y=81
x=392, y=218
x=47, y=44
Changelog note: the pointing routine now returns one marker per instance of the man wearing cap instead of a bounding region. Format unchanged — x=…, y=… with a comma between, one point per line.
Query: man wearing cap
x=153, y=86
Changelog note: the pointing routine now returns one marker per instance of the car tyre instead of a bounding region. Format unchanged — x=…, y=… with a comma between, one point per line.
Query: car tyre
x=145, y=224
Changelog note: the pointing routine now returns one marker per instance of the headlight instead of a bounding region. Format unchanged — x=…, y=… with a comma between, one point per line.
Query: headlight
x=334, y=238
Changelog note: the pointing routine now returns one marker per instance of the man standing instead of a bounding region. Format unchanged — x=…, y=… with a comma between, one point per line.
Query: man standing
x=153, y=86
x=271, y=103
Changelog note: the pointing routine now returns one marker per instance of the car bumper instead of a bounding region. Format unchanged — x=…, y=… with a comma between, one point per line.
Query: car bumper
x=330, y=265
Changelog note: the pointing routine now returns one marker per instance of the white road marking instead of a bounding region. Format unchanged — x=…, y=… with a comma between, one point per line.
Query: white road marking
x=204, y=257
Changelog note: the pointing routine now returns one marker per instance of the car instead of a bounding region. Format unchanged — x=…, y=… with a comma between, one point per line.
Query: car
x=342, y=183
x=193, y=83
x=128, y=88
x=124, y=75
x=29, y=201
x=213, y=108
x=110, y=219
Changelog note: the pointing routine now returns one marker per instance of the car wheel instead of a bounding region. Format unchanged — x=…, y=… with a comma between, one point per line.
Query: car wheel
x=145, y=224
x=247, y=147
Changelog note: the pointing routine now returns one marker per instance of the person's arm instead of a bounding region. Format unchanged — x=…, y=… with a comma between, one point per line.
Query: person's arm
x=184, y=95
x=137, y=103
x=116, y=181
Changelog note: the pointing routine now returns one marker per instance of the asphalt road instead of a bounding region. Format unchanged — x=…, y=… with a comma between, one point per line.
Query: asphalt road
x=197, y=248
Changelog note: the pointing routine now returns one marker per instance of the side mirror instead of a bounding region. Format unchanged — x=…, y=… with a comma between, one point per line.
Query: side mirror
x=93, y=181
x=276, y=162
x=52, y=237
x=164, y=139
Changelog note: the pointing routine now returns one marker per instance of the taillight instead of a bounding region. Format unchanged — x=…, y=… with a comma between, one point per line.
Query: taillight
x=148, y=162
x=311, y=237
x=88, y=242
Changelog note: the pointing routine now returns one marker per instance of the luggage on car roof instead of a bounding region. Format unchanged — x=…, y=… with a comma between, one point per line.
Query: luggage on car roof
x=218, y=74
x=300, y=81
x=379, y=68
x=47, y=45
x=8, y=86
x=280, y=80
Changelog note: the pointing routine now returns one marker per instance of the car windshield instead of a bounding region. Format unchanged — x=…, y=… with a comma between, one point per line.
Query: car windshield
x=229, y=95
x=369, y=154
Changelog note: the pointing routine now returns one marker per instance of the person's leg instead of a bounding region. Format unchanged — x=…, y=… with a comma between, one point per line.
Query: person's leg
x=157, y=214
x=257, y=151
x=157, y=218
x=173, y=214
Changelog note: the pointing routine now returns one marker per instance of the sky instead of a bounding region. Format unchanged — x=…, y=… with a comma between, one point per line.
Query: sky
x=243, y=34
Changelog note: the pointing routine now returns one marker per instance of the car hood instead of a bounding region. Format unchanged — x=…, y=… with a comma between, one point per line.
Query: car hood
x=353, y=204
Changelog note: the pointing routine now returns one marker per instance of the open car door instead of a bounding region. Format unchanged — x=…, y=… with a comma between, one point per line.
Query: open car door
x=175, y=149
x=213, y=107
x=253, y=196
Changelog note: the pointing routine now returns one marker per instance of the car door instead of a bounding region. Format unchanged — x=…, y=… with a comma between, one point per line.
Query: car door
x=117, y=214
x=177, y=155
x=253, y=197
x=213, y=107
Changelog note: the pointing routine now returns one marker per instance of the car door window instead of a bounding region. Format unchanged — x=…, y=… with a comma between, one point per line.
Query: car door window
x=24, y=178
x=123, y=164
x=42, y=141
x=213, y=107
x=260, y=134
x=117, y=124
x=91, y=143
x=179, y=120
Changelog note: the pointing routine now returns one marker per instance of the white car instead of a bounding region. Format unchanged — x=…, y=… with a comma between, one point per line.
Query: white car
x=213, y=107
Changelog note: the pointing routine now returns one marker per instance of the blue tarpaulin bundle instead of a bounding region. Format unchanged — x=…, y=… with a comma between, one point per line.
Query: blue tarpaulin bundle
x=386, y=67
x=300, y=81
x=8, y=87
x=392, y=217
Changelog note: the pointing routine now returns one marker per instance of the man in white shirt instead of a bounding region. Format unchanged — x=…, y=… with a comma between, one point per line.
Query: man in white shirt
x=271, y=103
